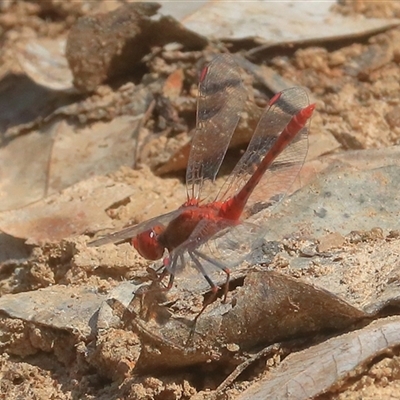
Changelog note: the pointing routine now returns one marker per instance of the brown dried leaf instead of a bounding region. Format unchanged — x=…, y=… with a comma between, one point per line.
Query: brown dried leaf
x=76, y=210
x=313, y=371
x=269, y=307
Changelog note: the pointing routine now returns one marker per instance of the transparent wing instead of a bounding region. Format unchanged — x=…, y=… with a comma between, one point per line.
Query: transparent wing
x=217, y=245
x=285, y=168
x=132, y=231
x=203, y=232
x=220, y=101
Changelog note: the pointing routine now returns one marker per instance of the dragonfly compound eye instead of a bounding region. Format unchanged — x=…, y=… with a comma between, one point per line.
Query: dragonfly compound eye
x=148, y=245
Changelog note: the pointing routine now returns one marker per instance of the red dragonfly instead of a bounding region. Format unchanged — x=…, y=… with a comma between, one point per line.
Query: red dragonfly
x=269, y=166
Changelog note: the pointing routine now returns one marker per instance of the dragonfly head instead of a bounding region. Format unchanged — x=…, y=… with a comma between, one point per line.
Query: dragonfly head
x=147, y=243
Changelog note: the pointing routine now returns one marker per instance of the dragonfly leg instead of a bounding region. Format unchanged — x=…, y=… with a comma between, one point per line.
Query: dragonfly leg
x=169, y=268
x=170, y=282
x=160, y=277
x=220, y=266
x=148, y=294
x=214, y=287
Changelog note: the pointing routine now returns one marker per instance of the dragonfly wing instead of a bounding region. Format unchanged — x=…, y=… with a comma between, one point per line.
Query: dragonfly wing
x=285, y=168
x=220, y=101
x=132, y=231
x=222, y=244
x=205, y=230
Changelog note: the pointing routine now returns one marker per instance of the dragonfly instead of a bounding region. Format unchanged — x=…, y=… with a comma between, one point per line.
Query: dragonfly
x=267, y=168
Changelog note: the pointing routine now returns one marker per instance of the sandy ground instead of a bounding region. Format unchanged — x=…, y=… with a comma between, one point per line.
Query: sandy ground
x=355, y=85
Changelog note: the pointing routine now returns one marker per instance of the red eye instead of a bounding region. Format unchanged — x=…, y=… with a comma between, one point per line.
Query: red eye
x=148, y=245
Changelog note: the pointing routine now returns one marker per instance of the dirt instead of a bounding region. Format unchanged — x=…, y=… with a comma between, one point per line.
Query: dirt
x=356, y=89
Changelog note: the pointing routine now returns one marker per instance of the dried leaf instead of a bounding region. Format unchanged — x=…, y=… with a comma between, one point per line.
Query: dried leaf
x=76, y=210
x=314, y=371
